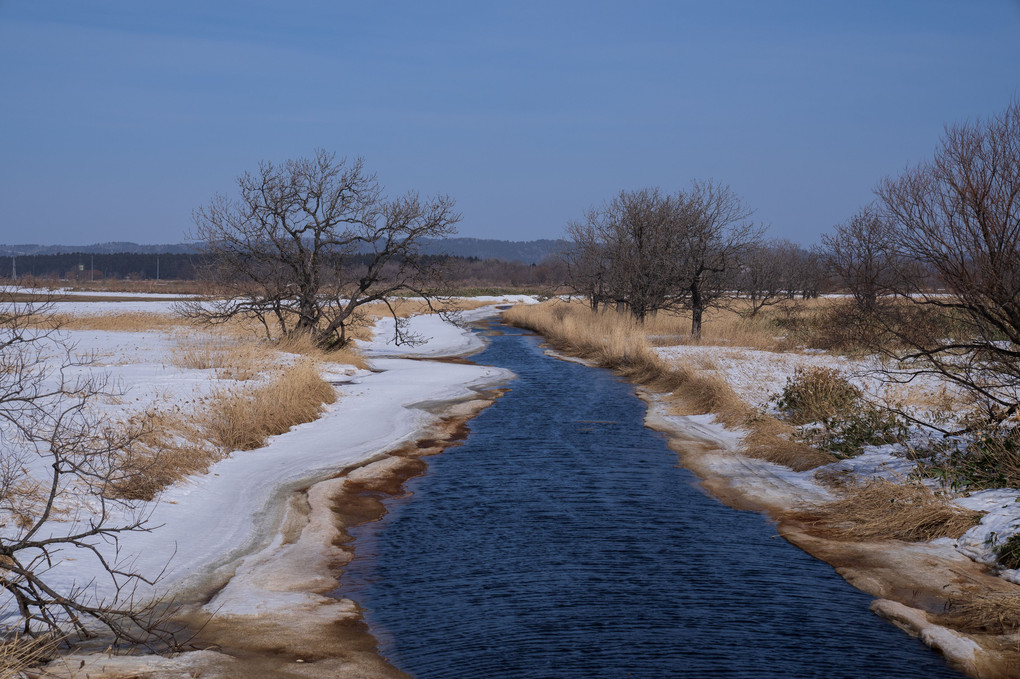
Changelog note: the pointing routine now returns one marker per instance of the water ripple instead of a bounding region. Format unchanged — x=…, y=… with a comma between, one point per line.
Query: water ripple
x=561, y=540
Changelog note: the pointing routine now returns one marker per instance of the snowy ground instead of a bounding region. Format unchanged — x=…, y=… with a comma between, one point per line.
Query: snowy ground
x=206, y=524
x=759, y=376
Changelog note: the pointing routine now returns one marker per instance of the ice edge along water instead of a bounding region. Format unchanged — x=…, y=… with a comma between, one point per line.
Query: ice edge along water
x=206, y=526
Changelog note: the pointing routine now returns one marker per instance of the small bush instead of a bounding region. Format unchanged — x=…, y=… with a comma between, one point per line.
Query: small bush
x=988, y=458
x=846, y=435
x=1008, y=552
x=846, y=423
x=817, y=394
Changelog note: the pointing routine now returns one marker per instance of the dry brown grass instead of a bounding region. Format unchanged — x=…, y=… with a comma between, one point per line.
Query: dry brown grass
x=304, y=345
x=772, y=440
x=244, y=419
x=882, y=510
x=19, y=653
x=983, y=613
x=135, y=321
x=613, y=340
x=168, y=445
x=231, y=358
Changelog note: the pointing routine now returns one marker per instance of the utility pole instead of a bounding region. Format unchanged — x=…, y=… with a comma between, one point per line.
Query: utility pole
x=92, y=268
x=157, y=267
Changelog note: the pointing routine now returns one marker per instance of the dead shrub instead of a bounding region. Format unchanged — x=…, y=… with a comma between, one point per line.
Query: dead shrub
x=983, y=613
x=882, y=510
x=840, y=326
x=816, y=394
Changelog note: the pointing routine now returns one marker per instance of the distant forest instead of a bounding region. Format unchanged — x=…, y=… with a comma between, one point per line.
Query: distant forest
x=89, y=267
x=82, y=266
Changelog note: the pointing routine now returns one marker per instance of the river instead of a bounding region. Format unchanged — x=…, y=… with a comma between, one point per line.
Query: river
x=561, y=539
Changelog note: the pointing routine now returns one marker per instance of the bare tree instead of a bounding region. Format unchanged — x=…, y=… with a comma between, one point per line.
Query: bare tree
x=807, y=272
x=768, y=274
x=649, y=252
x=587, y=260
x=308, y=243
x=716, y=228
x=957, y=218
x=60, y=464
x=861, y=253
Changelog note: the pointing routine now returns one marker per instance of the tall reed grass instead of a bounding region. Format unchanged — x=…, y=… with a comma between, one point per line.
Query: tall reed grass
x=168, y=445
x=879, y=509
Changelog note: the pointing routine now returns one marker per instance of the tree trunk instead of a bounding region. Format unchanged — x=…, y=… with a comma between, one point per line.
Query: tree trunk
x=697, y=307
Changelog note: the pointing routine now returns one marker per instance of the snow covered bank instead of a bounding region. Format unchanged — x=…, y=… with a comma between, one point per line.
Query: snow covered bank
x=218, y=531
x=209, y=522
x=914, y=582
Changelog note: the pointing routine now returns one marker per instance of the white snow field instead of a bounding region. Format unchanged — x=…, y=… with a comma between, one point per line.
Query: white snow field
x=205, y=525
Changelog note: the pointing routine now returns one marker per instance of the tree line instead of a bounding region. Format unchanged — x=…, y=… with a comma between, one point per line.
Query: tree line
x=82, y=266
x=647, y=252
x=932, y=265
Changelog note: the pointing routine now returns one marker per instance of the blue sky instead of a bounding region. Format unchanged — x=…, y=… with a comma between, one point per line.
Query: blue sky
x=119, y=117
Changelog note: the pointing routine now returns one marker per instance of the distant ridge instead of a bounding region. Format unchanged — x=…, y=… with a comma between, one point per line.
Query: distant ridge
x=116, y=247
x=528, y=252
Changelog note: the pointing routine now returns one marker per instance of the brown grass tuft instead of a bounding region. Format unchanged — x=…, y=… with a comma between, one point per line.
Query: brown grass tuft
x=983, y=613
x=244, y=419
x=19, y=653
x=167, y=446
x=772, y=440
x=882, y=510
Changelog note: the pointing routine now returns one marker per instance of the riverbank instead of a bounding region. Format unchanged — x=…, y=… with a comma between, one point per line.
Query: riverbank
x=918, y=586
x=252, y=549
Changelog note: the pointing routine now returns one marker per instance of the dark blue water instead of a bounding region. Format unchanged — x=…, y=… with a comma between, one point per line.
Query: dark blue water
x=561, y=540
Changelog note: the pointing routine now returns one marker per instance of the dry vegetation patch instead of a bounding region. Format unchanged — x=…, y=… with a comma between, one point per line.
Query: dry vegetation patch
x=19, y=652
x=168, y=445
x=244, y=419
x=879, y=509
x=133, y=321
x=983, y=613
